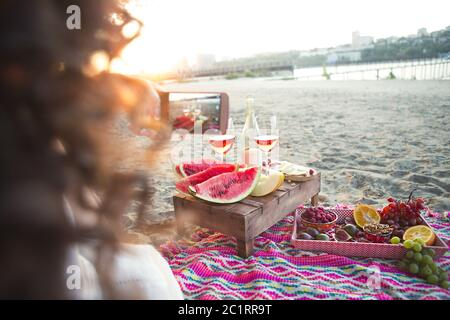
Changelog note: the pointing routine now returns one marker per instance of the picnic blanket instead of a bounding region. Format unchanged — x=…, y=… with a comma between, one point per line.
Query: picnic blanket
x=208, y=268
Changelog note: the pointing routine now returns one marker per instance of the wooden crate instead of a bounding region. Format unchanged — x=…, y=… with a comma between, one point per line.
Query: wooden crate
x=248, y=218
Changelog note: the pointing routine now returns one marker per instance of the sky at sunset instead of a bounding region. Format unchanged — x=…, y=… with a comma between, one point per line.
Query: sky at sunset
x=174, y=29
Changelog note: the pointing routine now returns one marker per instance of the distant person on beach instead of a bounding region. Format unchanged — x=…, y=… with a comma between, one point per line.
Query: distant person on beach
x=61, y=197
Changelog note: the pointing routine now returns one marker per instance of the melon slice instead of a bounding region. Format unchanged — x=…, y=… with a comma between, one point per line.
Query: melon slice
x=268, y=184
x=227, y=187
x=190, y=168
x=183, y=184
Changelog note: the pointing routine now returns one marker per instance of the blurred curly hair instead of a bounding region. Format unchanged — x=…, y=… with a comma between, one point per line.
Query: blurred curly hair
x=53, y=110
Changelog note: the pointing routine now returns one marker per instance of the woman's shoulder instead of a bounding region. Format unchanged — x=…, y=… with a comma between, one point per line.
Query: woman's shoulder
x=140, y=271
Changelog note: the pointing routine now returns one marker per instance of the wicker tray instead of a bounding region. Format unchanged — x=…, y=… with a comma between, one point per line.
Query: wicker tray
x=358, y=249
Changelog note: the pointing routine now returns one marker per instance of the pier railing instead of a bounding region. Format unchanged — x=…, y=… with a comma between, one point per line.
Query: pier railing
x=240, y=68
x=419, y=69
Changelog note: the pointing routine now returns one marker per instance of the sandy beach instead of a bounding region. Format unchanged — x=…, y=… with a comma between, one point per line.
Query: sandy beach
x=369, y=139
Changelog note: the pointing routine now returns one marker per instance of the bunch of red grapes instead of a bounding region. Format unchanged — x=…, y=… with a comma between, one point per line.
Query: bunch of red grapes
x=402, y=215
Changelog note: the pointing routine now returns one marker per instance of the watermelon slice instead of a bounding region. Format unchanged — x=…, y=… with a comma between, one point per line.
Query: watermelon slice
x=227, y=187
x=183, y=184
x=190, y=168
x=177, y=171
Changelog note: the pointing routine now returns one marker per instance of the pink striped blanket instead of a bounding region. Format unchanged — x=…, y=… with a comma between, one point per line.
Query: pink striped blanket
x=208, y=268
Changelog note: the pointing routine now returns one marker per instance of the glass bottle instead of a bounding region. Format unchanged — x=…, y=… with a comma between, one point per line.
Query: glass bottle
x=249, y=154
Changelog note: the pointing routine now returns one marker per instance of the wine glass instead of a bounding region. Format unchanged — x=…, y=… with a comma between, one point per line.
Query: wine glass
x=222, y=143
x=197, y=111
x=186, y=111
x=266, y=140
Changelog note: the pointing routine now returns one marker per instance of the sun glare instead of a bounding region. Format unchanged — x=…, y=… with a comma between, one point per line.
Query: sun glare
x=143, y=56
x=154, y=50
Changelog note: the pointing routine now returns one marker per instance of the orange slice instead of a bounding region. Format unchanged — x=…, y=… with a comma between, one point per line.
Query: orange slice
x=423, y=232
x=365, y=214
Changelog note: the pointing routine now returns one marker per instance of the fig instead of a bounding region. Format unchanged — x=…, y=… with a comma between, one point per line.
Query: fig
x=312, y=232
x=323, y=237
x=304, y=236
x=351, y=229
x=342, y=235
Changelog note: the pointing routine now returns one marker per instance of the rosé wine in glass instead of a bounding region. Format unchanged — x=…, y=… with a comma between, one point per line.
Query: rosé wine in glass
x=222, y=143
x=266, y=142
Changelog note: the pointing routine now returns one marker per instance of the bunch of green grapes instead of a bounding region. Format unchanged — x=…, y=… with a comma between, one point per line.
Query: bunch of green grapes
x=419, y=261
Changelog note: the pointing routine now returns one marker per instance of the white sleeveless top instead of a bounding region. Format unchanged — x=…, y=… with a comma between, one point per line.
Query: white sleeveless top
x=138, y=272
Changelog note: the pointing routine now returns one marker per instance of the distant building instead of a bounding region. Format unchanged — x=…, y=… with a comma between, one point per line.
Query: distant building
x=417, y=41
x=344, y=56
x=342, y=47
x=355, y=39
x=392, y=40
x=305, y=53
x=442, y=39
x=381, y=42
x=319, y=51
x=314, y=52
x=402, y=40
x=422, y=32
x=366, y=41
x=359, y=41
x=204, y=61
x=435, y=34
